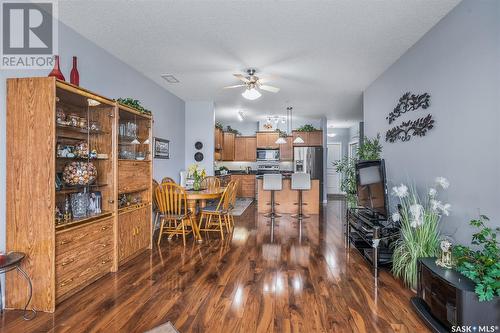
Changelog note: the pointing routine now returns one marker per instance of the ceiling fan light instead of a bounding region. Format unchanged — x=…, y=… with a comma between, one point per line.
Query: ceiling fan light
x=298, y=140
x=251, y=94
x=280, y=141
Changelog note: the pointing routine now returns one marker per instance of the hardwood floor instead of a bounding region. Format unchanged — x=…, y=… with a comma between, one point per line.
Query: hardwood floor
x=291, y=280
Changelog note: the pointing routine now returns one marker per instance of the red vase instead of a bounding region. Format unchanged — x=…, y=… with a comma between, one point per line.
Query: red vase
x=74, y=76
x=56, y=72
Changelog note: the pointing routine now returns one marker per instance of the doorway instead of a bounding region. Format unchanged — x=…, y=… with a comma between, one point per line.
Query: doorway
x=332, y=176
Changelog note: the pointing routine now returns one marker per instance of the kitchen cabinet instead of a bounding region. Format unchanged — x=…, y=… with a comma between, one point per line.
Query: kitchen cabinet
x=245, y=148
x=286, y=150
x=219, y=139
x=267, y=140
x=311, y=139
x=228, y=150
x=239, y=149
x=251, y=149
x=246, y=185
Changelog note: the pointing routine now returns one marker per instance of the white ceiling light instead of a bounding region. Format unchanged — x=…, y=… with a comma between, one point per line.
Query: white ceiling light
x=280, y=141
x=241, y=115
x=251, y=94
x=331, y=135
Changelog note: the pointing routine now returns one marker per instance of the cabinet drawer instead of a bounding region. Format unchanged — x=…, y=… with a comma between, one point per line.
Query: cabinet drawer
x=84, y=235
x=80, y=278
x=127, y=176
x=82, y=256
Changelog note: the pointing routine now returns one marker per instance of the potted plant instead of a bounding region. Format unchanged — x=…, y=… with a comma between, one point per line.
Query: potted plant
x=481, y=265
x=196, y=173
x=370, y=150
x=306, y=128
x=419, y=220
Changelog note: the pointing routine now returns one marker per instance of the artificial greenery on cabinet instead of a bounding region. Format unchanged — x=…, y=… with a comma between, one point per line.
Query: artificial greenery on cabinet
x=482, y=264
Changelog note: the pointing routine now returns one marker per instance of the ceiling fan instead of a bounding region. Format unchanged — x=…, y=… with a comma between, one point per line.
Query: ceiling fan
x=252, y=83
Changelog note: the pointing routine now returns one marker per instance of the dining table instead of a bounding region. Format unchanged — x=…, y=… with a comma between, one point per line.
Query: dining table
x=198, y=199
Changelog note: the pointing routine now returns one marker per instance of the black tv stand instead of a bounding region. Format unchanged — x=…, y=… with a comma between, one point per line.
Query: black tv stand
x=368, y=233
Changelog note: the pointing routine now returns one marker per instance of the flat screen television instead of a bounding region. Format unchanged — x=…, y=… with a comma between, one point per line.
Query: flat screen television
x=372, y=188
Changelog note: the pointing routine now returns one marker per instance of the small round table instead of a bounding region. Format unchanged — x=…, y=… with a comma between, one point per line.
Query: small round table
x=9, y=262
x=202, y=196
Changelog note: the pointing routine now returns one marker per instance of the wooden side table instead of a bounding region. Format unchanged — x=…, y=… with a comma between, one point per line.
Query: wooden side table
x=9, y=262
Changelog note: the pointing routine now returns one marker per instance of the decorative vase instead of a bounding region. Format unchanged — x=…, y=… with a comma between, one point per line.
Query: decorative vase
x=79, y=173
x=79, y=204
x=196, y=185
x=56, y=72
x=74, y=76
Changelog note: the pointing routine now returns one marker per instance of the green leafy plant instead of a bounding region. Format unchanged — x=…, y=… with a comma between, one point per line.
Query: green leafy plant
x=371, y=149
x=219, y=125
x=232, y=130
x=282, y=134
x=482, y=265
x=346, y=168
x=134, y=104
x=419, y=221
x=306, y=128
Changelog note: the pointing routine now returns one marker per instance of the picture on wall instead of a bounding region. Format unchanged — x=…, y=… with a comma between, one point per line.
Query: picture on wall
x=161, y=148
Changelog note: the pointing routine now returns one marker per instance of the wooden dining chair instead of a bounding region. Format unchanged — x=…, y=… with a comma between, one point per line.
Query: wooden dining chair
x=218, y=212
x=210, y=183
x=175, y=217
x=167, y=180
x=232, y=203
x=155, y=205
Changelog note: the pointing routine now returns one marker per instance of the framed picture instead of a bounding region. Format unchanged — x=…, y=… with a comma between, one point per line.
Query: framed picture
x=161, y=148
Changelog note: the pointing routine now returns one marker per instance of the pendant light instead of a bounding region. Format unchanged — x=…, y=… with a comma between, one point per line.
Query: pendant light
x=298, y=139
x=281, y=140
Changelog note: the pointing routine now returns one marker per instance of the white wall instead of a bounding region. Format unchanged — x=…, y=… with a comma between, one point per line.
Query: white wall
x=199, y=126
x=457, y=63
x=106, y=75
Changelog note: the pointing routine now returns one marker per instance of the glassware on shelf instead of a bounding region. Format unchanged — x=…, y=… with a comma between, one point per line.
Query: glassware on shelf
x=95, y=126
x=74, y=120
x=140, y=156
x=82, y=123
x=79, y=204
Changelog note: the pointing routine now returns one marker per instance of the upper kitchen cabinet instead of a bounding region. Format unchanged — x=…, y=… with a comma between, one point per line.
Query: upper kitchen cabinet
x=228, y=150
x=311, y=139
x=219, y=139
x=286, y=150
x=267, y=140
x=245, y=148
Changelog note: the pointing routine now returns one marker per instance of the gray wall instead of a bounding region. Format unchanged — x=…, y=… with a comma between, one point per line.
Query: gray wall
x=200, y=123
x=458, y=64
x=245, y=127
x=108, y=76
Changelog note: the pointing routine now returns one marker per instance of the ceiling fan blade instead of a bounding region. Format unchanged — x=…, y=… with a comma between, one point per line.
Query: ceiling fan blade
x=235, y=86
x=267, y=78
x=269, y=88
x=241, y=77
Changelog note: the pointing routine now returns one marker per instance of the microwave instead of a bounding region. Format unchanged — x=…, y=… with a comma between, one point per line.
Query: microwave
x=268, y=154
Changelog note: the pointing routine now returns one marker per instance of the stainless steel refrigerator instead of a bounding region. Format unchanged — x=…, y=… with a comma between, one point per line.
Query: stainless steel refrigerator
x=310, y=160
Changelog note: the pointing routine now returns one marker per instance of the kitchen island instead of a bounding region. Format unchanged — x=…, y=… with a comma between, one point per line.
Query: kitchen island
x=288, y=198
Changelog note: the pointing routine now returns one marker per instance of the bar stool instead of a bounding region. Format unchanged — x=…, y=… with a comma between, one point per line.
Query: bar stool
x=301, y=181
x=273, y=182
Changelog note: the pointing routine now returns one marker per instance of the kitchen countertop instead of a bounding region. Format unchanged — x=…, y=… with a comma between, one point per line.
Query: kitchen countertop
x=259, y=174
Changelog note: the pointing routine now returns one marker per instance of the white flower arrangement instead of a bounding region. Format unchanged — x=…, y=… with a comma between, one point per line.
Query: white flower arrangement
x=400, y=191
x=442, y=182
x=419, y=220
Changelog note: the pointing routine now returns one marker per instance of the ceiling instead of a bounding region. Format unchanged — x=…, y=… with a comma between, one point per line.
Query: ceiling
x=323, y=54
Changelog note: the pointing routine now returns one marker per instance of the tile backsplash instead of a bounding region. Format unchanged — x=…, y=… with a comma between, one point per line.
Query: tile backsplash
x=288, y=166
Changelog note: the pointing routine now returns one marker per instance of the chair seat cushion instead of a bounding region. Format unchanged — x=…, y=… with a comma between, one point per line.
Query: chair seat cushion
x=212, y=209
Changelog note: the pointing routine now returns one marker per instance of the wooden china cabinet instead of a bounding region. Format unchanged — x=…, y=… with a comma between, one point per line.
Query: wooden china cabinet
x=59, y=136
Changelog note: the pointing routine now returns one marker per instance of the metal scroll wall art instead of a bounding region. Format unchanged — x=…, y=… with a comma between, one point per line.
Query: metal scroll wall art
x=419, y=127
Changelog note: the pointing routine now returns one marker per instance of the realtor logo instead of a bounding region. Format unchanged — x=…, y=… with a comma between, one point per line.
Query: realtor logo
x=29, y=34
